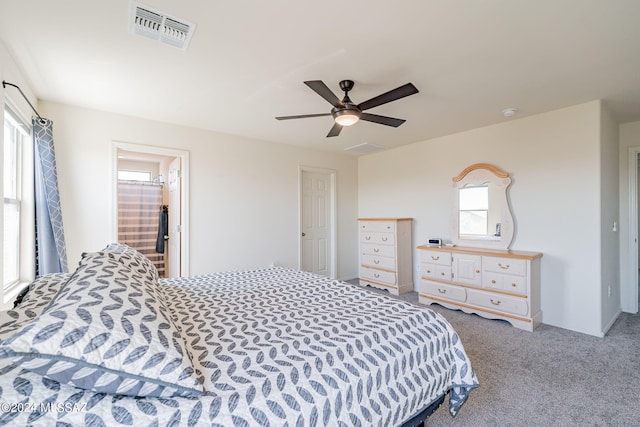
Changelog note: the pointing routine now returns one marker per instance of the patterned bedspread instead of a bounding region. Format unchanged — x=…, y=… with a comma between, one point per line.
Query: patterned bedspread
x=276, y=347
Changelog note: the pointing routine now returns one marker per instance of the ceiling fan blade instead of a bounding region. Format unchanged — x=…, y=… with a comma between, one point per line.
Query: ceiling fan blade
x=392, y=95
x=321, y=89
x=304, y=116
x=335, y=130
x=383, y=120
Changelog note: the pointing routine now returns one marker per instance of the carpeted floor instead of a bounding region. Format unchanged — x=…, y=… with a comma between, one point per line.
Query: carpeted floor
x=549, y=377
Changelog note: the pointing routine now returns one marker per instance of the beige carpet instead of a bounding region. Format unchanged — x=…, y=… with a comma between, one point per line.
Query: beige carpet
x=549, y=377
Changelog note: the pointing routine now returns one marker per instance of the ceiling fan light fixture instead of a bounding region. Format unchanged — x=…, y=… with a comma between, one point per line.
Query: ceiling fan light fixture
x=346, y=113
x=346, y=116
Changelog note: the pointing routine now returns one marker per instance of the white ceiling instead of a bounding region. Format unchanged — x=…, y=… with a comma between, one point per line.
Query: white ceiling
x=248, y=59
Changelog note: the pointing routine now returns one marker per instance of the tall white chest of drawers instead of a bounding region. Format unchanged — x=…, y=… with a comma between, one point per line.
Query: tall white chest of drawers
x=492, y=284
x=385, y=254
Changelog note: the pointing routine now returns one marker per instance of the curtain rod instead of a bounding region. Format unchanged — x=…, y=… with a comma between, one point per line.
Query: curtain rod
x=5, y=84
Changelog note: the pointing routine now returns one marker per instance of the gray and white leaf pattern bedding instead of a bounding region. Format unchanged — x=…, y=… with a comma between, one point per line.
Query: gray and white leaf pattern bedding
x=41, y=291
x=276, y=347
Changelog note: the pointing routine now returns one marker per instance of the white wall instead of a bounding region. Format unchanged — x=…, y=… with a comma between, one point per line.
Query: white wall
x=554, y=162
x=243, y=193
x=151, y=167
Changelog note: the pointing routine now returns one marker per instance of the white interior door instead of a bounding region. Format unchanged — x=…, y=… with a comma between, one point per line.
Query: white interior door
x=175, y=219
x=317, y=241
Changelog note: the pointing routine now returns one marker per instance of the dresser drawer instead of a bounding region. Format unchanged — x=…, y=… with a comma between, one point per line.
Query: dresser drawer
x=505, y=282
x=387, y=277
x=378, y=238
x=378, y=261
x=388, y=226
x=498, y=302
x=435, y=271
x=441, y=290
x=436, y=257
x=505, y=265
x=378, y=250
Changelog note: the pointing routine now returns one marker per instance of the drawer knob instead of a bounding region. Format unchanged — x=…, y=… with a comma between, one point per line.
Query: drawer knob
x=367, y=238
x=384, y=239
x=493, y=282
x=504, y=267
x=477, y=271
x=376, y=275
x=435, y=258
x=442, y=274
x=428, y=271
x=442, y=291
x=376, y=250
x=495, y=302
x=514, y=285
x=376, y=261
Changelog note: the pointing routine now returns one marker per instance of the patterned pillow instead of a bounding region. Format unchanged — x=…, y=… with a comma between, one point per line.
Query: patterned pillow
x=134, y=259
x=41, y=293
x=108, y=331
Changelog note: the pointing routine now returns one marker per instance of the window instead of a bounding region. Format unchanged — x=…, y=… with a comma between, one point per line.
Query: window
x=474, y=210
x=131, y=175
x=14, y=135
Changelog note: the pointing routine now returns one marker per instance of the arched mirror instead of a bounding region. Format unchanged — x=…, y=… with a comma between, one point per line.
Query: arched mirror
x=482, y=216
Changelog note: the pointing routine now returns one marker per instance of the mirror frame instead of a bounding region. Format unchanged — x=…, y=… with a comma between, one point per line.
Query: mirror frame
x=476, y=175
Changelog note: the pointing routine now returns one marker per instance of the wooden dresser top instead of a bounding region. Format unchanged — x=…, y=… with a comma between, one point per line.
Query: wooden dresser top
x=481, y=251
x=385, y=219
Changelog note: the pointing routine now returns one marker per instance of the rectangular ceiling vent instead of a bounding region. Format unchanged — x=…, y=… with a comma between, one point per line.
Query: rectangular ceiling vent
x=365, y=148
x=147, y=22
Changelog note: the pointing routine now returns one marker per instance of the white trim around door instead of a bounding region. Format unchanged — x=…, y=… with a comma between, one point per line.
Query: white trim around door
x=184, y=189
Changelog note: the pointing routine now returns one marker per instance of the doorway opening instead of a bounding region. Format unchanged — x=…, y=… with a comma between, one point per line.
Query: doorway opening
x=631, y=287
x=636, y=220
x=317, y=207
x=150, y=204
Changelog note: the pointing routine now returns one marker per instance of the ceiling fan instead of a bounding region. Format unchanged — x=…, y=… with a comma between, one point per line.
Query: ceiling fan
x=346, y=113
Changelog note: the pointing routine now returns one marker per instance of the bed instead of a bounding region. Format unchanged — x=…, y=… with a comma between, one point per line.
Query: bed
x=112, y=344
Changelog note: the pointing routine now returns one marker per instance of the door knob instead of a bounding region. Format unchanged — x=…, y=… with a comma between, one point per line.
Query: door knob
x=303, y=234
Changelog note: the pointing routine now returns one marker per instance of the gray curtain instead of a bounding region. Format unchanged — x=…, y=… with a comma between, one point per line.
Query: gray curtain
x=51, y=252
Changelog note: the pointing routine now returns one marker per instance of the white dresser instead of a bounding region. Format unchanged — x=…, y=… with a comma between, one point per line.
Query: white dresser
x=494, y=284
x=385, y=254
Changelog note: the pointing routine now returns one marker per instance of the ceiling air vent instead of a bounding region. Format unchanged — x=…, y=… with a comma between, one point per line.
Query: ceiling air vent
x=147, y=22
x=365, y=148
